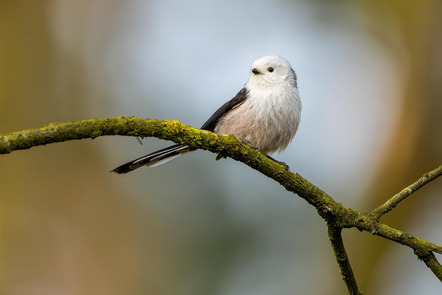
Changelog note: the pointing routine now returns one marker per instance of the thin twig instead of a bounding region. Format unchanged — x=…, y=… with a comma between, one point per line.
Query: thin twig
x=371, y=225
x=406, y=192
x=335, y=236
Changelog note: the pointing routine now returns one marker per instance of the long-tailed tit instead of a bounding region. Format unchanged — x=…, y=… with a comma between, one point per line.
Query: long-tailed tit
x=265, y=114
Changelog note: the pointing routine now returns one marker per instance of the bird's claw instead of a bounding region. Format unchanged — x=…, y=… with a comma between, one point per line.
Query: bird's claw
x=286, y=167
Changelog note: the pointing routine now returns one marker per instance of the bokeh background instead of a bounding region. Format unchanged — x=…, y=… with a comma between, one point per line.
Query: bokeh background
x=369, y=75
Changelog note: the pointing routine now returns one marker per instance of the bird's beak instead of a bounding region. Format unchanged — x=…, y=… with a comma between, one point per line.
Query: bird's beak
x=255, y=71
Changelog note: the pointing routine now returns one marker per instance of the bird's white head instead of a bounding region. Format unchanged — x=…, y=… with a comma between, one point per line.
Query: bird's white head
x=272, y=70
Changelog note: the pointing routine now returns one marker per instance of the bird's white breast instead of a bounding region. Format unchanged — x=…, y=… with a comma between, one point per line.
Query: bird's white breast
x=267, y=120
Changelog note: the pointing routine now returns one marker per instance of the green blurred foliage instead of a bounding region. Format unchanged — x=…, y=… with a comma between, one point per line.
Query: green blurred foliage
x=65, y=228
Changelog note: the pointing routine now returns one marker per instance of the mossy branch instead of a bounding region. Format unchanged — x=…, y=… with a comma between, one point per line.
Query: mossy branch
x=431, y=262
x=335, y=214
x=406, y=192
x=335, y=237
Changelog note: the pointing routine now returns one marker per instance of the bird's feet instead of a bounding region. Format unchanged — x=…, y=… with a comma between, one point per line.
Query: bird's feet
x=286, y=167
x=221, y=155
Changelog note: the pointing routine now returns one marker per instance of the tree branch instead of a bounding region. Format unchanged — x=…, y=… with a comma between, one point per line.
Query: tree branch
x=402, y=195
x=431, y=262
x=335, y=214
x=347, y=275
x=371, y=225
x=179, y=133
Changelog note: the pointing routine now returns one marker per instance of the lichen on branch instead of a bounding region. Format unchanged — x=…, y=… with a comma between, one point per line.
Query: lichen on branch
x=337, y=216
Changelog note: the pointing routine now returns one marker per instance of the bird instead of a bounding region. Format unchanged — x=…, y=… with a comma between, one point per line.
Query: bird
x=264, y=114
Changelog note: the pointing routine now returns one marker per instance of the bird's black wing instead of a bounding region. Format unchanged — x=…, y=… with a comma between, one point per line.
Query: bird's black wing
x=163, y=155
x=239, y=98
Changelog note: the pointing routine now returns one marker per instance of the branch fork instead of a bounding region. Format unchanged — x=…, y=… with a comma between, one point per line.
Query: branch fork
x=337, y=216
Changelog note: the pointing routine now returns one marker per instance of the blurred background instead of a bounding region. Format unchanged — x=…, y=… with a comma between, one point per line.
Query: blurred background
x=369, y=74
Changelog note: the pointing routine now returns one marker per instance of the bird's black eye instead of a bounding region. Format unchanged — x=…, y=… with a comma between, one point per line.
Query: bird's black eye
x=270, y=69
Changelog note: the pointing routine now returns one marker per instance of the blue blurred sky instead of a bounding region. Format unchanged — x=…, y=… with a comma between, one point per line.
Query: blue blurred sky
x=182, y=60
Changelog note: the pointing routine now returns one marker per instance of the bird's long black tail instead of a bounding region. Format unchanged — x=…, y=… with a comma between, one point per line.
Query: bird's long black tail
x=153, y=159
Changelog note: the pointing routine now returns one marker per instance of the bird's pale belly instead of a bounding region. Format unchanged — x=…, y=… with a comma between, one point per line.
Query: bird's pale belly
x=268, y=134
